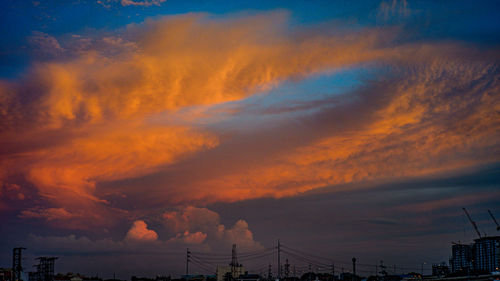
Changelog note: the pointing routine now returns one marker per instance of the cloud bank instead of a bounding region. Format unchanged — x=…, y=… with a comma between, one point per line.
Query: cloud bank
x=77, y=135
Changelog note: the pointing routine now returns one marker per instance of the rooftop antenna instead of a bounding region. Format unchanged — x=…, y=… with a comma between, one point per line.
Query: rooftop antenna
x=234, y=262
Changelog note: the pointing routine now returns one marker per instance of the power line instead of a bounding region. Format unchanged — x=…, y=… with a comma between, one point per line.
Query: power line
x=320, y=263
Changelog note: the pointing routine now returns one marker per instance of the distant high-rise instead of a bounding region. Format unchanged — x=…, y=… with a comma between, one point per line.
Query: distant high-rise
x=45, y=269
x=461, y=257
x=17, y=267
x=487, y=254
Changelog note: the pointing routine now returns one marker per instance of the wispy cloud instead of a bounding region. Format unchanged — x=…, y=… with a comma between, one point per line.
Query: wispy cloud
x=137, y=3
x=145, y=3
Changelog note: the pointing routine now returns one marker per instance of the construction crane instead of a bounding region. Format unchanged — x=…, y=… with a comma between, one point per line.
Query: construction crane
x=473, y=223
x=491, y=214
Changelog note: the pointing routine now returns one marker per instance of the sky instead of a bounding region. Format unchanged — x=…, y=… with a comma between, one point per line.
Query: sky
x=131, y=130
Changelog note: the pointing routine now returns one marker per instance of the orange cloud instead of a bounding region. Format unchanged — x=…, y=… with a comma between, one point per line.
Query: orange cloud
x=140, y=232
x=422, y=128
x=73, y=122
x=49, y=214
x=187, y=60
x=111, y=155
x=85, y=119
x=192, y=238
x=66, y=175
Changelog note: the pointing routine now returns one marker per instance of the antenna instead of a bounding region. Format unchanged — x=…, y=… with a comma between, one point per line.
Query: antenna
x=234, y=262
x=279, y=261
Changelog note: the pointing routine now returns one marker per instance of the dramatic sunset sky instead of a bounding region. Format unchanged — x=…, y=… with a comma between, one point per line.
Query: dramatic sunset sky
x=133, y=129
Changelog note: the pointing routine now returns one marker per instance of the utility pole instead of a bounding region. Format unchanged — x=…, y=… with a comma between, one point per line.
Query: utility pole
x=353, y=268
x=188, y=255
x=382, y=268
x=333, y=271
x=269, y=273
x=279, y=260
x=287, y=269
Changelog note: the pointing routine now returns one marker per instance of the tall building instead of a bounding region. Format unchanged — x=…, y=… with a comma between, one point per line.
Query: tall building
x=44, y=269
x=461, y=258
x=487, y=254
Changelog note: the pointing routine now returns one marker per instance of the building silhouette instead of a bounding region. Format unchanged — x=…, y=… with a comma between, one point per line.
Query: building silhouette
x=487, y=254
x=461, y=258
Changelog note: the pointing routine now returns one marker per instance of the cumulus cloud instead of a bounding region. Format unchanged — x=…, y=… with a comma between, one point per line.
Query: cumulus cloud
x=197, y=225
x=191, y=238
x=197, y=236
x=140, y=232
x=192, y=219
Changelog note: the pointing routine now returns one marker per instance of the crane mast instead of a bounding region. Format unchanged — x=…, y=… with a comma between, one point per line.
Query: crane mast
x=491, y=214
x=473, y=223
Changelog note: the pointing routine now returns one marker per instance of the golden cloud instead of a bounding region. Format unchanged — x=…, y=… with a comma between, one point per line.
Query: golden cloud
x=77, y=121
x=441, y=119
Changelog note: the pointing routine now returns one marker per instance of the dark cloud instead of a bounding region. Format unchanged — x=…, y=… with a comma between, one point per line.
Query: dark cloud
x=373, y=222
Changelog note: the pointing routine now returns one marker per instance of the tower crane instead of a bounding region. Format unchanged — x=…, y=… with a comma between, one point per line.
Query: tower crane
x=473, y=223
x=491, y=214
